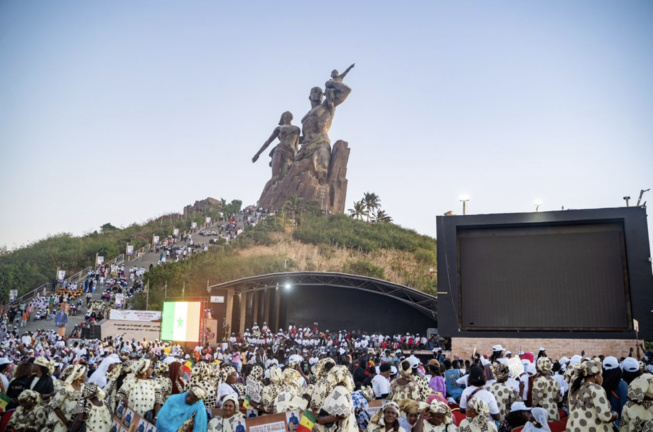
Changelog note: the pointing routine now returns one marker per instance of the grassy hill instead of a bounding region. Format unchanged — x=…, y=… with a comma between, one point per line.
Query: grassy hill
x=335, y=244
x=31, y=265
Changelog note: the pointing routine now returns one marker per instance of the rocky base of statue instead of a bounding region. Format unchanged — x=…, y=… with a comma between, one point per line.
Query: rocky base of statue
x=302, y=181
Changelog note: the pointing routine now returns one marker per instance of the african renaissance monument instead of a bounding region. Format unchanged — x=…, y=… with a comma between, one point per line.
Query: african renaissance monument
x=314, y=172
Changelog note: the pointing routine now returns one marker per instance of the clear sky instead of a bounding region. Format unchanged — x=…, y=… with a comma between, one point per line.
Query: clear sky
x=119, y=111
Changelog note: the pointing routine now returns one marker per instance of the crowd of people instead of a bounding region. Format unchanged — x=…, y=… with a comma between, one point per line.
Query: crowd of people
x=55, y=384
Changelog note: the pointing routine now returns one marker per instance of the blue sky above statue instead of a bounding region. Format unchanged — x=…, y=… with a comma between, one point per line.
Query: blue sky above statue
x=121, y=111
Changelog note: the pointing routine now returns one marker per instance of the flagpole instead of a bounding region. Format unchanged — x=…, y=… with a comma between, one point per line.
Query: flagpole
x=147, y=293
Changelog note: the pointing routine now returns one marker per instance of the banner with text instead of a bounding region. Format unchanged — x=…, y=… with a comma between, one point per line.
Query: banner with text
x=131, y=329
x=134, y=315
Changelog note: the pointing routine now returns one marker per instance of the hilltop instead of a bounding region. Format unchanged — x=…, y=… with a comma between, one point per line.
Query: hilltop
x=305, y=242
x=334, y=243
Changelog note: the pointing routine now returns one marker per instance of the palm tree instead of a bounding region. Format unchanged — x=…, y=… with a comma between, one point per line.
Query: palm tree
x=372, y=202
x=382, y=216
x=294, y=204
x=358, y=211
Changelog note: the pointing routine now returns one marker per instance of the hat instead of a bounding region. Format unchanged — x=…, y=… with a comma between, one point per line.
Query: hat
x=497, y=348
x=475, y=373
x=648, y=357
x=610, y=363
x=630, y=365
x=542, y=349
x=508, y=352
x=519, y=406
x=563, y=361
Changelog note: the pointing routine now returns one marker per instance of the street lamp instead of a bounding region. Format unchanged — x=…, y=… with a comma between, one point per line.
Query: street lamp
x=626, y=198
x=463, y=199
x=538, y=203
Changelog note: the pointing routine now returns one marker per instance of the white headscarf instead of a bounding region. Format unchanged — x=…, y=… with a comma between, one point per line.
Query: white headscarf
x=542, y=418
x=99, y=377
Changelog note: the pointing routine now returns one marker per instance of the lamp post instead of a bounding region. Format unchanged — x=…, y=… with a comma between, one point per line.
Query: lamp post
x=538, y=203
x=463, y=199
x=627, y=198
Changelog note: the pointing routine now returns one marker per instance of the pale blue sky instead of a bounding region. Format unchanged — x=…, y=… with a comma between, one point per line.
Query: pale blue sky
x=119, y=111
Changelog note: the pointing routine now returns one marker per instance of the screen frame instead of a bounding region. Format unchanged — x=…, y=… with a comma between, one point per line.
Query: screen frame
x=637, y=255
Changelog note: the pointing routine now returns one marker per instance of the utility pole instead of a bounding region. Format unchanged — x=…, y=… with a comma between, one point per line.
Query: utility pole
x=464, y=201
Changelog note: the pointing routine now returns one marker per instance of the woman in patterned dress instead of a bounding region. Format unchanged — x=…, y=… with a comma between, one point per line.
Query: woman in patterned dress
x=504, y=394
x=30, y=416
x=115, y=380
x=141, y=393
x=386, y=419
x=405, y=387
x=322, y=388
x=232, y=420
x=66, y=398
x=211, y=384
x=437, y=418
x=478, y=417
x=361, y=404
x=338, y=406
x=271, y=391
x=255, y=386
x=589, y=408
x=546, y=391
x=162, y=380
x=637, y=414
x=92, y=410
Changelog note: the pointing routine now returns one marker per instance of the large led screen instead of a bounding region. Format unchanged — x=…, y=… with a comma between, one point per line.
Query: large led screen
x=564, y=277
x=181, y=321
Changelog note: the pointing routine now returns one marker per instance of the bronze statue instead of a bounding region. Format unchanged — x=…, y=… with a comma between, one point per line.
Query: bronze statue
x=283, y=154
x=315, y=142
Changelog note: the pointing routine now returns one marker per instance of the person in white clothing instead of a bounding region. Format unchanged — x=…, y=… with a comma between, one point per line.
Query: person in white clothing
x=381, y=382
x=476, y=390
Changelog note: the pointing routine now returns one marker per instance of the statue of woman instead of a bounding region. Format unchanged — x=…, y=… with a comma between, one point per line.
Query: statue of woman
x=283, y=154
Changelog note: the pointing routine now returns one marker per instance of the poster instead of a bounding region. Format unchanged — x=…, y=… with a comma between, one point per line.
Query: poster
x=193, y=225
x=175, y=232
x=131, y=329
x=13, y=295
x=155, y=240
x=61, y=274
x=115, y=425
x=120, y=410
x=211, y=331
x=515, y=366
x=292, y=420
x=277, y=426
x=208, y=220
x=130, y=250
x=127, y=419
x=120, y=298
x=100, y=260
x=144, y=426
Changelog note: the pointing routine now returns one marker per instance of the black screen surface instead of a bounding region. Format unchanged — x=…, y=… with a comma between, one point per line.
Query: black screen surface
x=571, y=277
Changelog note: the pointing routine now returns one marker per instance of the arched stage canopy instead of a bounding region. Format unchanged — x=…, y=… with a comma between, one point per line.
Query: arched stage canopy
x=265, y=298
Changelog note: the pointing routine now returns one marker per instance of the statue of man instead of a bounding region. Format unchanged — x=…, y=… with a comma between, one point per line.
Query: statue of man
x=316, y=146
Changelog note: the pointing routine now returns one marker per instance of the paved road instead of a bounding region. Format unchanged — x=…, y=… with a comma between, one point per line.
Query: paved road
x=148, y=258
